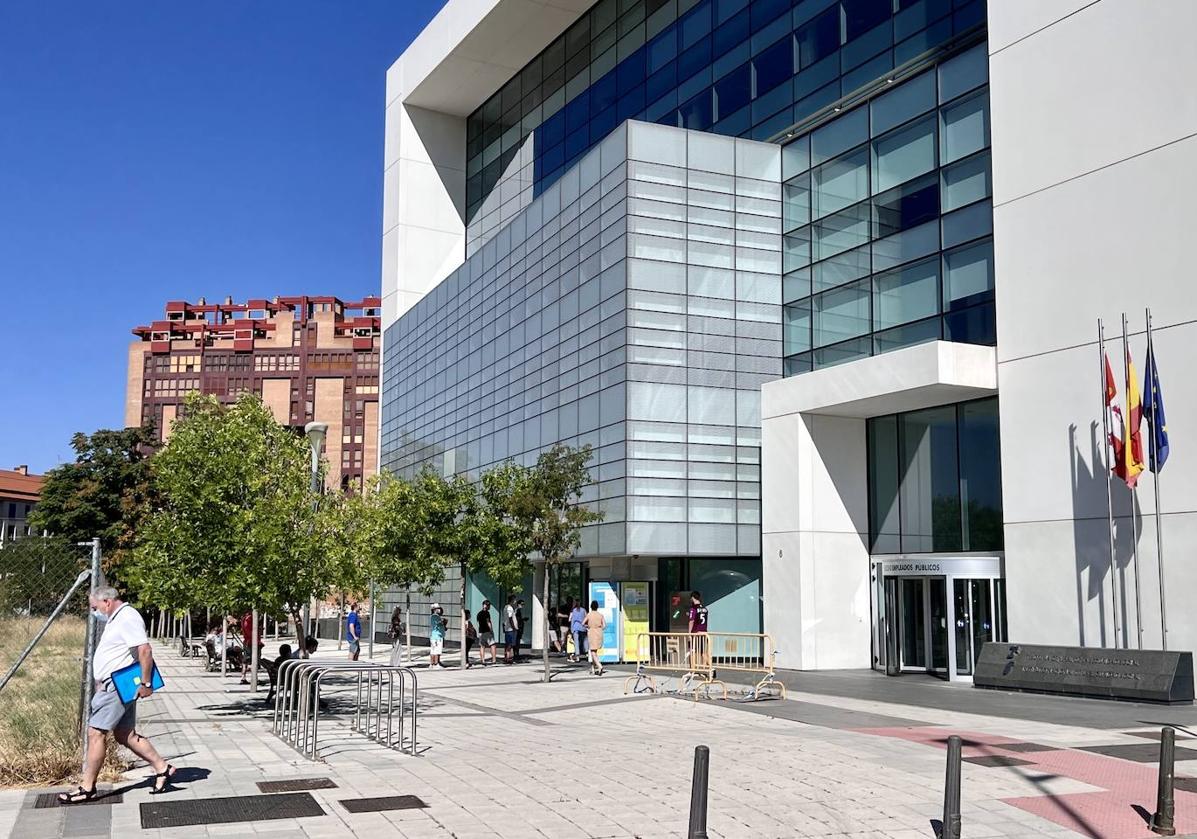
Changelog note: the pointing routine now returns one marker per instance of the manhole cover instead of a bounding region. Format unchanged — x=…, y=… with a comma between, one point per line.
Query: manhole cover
x=238, y=808
x=388, y=802
x=45, y=800
x=296, y=784
x=997, y=760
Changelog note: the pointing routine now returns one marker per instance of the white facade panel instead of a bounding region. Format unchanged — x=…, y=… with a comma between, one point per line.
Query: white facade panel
x=1093, y=124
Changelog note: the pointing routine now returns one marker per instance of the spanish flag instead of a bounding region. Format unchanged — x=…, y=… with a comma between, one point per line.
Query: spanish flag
x=1131, y=462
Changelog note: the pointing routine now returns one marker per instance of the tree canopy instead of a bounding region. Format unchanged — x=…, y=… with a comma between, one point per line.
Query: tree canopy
x=105, y=492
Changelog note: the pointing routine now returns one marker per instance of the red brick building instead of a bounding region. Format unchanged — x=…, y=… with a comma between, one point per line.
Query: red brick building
x=308, y=358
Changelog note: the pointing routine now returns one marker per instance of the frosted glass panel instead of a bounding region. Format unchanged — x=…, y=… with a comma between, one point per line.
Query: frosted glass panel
x=712, y=406
x=652, y=401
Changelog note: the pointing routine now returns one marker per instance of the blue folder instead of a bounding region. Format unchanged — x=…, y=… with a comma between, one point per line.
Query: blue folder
x=128, y=679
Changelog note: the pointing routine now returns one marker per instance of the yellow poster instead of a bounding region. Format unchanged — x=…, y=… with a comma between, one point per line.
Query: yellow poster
x=635, y=602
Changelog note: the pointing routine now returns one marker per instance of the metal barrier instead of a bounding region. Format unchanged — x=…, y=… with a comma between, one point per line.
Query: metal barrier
x=297, y=702
x=698, y=657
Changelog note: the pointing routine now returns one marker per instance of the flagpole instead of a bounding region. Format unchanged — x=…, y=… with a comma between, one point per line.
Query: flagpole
x=1105, y=425
x=1155, y=482
x=1127, y=452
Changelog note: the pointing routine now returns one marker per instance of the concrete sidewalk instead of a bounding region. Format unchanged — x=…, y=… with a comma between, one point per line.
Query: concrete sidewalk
x=504, y=755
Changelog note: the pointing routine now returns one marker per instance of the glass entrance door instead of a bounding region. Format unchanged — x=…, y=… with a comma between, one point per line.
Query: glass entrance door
x=913, y=623
x=974, y=606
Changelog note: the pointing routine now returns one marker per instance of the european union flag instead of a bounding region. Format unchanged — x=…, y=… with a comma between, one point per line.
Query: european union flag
x=1153, y=412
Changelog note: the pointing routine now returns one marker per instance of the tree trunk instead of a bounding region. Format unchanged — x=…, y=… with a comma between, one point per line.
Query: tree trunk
x=547, y=621
x=253, y=678
x=302, y=648
x=464, y=654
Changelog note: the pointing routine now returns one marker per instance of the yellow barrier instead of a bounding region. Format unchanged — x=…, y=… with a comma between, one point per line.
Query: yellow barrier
x=697, y=657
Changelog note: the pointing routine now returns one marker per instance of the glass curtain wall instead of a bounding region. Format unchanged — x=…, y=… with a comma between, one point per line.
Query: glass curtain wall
x=747, y=68
x=935, y=480
x=888, y=222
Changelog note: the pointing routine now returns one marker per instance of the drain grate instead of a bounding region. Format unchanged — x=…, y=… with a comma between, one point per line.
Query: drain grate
x=996, y=760
x=46, y=800
x=238, y=808
x=296, y=784
x=388, y=802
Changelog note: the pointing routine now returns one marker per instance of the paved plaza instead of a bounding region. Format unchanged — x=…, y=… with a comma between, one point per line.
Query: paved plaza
x=503, y=755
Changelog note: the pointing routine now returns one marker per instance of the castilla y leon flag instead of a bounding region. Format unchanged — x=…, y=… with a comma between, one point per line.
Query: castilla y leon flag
x=1114, y=415
x=1131, y=462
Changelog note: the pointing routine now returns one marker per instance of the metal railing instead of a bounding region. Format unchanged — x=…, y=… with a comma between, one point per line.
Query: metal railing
x=297, y=702
x=698, y=657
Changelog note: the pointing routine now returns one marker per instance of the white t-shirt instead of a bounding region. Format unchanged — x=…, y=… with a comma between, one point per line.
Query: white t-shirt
x=123, y=632
x=509, y=618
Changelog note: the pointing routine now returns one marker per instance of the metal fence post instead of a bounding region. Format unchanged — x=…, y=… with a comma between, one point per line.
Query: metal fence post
x=698, y=793
x=1162, y=822
x=951, y=792
x=370, y=654
x=90, y=640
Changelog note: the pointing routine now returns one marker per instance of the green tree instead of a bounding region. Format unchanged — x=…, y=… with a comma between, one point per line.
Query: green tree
x=543, y=502
x=235, y=525
x=105, y=492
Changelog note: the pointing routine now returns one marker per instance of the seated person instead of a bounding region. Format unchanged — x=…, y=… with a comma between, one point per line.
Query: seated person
x=284, y=653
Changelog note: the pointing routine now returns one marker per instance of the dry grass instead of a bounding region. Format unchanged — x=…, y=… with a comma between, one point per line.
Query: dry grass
x=39, y=708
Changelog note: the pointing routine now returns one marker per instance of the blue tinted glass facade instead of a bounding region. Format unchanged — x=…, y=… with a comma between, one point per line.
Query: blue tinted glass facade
x=888, y=221
x=748, y=68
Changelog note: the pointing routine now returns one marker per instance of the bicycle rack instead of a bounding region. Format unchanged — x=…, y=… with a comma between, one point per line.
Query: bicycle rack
x=297, y=702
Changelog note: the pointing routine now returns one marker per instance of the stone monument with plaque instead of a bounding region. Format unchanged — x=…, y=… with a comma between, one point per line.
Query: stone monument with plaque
x=1095, y=672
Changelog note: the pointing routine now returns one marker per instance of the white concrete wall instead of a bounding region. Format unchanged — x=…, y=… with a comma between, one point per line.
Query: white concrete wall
x=813, y=542
x=1094, y=127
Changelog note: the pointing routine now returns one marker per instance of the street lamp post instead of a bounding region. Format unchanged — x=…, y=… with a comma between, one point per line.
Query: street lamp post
x=315, y=432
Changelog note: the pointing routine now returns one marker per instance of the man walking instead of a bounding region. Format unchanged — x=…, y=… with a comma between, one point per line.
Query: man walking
x=353, y=629
x=486, y=634
x=123, y=640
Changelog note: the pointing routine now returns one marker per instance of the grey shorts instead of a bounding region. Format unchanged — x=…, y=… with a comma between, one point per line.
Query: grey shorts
x=355, y=647
x=486, y=639
x=108, y=713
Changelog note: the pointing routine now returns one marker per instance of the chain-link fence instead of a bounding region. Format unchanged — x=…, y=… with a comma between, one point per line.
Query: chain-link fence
x=35, y=574
x=44, y=678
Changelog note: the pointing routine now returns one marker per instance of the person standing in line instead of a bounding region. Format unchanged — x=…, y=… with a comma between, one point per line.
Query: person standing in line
x=486, y=634
x=561, y=624
x=697, y=618
x=252, y=639
x=396, y=632
x=471, y=638
x=122, y=641
x=436, y=636
x=509, y=626
x=595, y=625
x=519, y=626
x=577, y=625
x=353, y=631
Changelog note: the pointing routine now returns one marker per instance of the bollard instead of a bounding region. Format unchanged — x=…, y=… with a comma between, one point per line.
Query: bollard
x=951, y=792
x=698, y=794
x=1165, y=805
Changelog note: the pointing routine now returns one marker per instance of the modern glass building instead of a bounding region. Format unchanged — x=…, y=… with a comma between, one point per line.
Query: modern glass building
x=748, y=251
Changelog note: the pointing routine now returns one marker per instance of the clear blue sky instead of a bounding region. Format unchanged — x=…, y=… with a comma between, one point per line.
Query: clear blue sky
x=154, y=151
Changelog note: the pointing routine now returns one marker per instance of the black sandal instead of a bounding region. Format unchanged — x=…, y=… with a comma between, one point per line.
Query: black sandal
x=165, y=775
x=79, y=796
